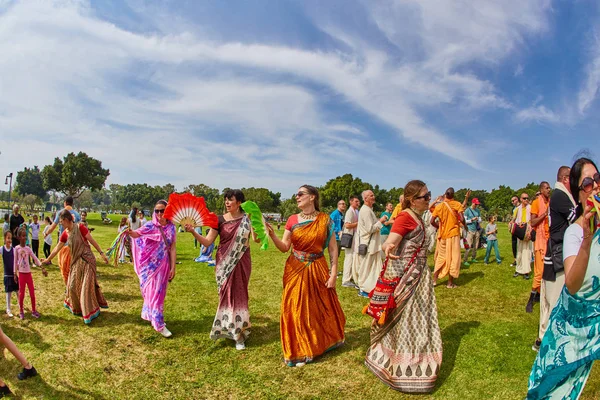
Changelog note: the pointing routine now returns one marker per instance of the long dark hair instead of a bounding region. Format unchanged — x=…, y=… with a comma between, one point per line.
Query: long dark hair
x=574, y=176
x=315, y=192
x=133, y=214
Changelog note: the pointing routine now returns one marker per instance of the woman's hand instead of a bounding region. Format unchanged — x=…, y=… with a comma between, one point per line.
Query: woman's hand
x=389, y=249
x=172, y=274
x=46, y=261
x=188, y=228
x=588, y=216
x=331, y=282
x=104, y=258
x=270, y=229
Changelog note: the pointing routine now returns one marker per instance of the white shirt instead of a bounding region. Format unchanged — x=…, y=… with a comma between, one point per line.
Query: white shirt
x=35, y=230
x=572, y=241
x=47, y=239
x=135, y=225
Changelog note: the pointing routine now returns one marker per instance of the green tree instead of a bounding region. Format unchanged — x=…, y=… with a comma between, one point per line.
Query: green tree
x=288, y=207
x=31, y=201
x=342, y=187
x=498, y=202
x=85, y=200
x=29, y=181
x=211, y=195
x=74, y=173
x=266, y=200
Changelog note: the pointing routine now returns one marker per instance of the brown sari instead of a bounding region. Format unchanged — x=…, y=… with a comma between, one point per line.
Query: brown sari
x=83, y=296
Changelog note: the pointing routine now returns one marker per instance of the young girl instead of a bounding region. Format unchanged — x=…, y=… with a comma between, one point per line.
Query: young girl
x=126, y=248
x=10, y=285
x=22, y=271
x=492, y=241
x=47, y=238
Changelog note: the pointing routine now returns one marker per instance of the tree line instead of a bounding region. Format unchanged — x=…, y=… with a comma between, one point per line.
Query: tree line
x=84, y=178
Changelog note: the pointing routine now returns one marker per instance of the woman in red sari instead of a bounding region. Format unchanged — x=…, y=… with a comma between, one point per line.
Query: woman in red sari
x=232, y=270
x=312, y=320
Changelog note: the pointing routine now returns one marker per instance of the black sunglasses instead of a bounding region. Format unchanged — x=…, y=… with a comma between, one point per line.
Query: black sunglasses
x=588, y=183
x=156, y=211
x=426, y=197
x=300, y=194
x=524, y=198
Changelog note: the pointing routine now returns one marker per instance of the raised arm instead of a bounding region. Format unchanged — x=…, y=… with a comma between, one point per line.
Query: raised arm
x=50, y=229
x=284, y=243
x=390, y=244
x=205, y=241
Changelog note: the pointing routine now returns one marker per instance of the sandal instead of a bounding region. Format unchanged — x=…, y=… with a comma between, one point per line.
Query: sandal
x=453, y=286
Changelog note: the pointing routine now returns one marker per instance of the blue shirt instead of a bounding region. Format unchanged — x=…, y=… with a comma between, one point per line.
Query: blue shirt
x=471, y=213
x=338, y=222
x=385, y=229
x=75, y=215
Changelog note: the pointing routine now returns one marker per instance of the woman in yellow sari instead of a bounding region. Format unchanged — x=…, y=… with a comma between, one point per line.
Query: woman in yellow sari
x=312, y=320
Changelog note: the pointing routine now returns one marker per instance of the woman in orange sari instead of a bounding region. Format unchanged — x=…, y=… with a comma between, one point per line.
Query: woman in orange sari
x=312, y=320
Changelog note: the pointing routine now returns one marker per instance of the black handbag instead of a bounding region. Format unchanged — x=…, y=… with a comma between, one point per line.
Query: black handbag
x=364, y=248
x=346, y=240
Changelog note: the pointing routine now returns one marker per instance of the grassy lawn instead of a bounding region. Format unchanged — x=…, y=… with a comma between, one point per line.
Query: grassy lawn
x=487, y=339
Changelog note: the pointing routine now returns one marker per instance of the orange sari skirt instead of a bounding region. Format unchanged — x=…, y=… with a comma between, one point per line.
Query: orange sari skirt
x=312, y=320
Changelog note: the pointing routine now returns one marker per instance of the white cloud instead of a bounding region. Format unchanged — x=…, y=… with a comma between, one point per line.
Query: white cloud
x=589, y=90
x=71, y=85
x=538, y=114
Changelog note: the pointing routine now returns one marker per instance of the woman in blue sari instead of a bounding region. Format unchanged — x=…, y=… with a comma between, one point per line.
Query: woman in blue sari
x=572, y=341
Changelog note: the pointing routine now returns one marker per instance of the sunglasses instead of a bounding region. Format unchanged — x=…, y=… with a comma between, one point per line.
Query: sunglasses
x=300, y=194
x=156, y=211
x=524, y=198
x=425, y=197
x=588, y=183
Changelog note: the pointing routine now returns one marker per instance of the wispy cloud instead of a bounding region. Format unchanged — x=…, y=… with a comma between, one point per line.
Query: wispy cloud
x=589, y=90
x=538, y=114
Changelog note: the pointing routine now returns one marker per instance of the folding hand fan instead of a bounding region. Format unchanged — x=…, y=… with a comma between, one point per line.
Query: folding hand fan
x=186, y=209
x=594, y=202
x=257, y=221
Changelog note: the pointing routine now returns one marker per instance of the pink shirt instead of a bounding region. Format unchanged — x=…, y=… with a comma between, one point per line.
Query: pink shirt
x=22, y=255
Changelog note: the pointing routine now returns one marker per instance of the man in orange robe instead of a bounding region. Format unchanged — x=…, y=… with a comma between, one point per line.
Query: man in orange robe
x=447, y=260
x=539, y=222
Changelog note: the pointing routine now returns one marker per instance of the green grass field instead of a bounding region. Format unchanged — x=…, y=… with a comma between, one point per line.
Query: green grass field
x=487, y=339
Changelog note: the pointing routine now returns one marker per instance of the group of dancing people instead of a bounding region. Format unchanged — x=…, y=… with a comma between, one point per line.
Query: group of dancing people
x=405, y=350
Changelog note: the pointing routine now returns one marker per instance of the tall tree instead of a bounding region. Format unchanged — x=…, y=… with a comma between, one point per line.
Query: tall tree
x=29, y=181
x=341, y=187
x=74, y=174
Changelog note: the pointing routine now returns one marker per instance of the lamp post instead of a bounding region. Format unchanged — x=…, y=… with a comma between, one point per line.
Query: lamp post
x=6, y=182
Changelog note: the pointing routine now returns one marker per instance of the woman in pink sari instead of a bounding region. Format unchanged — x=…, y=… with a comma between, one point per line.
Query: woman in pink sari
x=232, y=270
x=154, y=256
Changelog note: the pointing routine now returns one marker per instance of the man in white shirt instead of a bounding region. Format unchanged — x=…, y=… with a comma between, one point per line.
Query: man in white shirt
x=350, y=224
x=369, y=227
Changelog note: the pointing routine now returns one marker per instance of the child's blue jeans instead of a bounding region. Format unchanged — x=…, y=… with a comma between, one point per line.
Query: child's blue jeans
x=488, y=251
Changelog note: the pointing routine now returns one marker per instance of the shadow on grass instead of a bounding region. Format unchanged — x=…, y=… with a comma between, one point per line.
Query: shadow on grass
x=106, y=318
x=38, y=388
x=115, y=296
x=451, y=338
x=111, y=277
x=464, y=279
x=19, y=334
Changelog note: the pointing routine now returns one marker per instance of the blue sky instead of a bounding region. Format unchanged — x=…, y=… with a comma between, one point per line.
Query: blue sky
x=282, y=93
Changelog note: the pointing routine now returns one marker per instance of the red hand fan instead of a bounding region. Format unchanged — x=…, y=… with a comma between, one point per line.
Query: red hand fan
x=186, y=209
